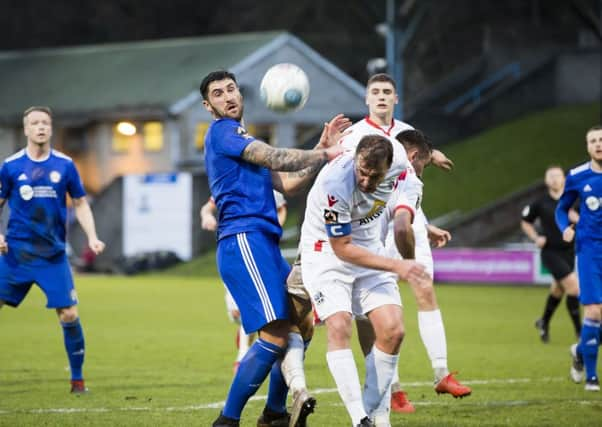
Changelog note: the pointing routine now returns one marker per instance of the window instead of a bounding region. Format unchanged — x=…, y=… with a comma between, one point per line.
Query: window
x=149, y=134
x=153, y=136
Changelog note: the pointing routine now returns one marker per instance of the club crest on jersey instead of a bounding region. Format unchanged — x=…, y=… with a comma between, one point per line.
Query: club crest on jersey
x=331, y=201
x=318, y=298
x=331, y=217
x=55, y=177
x=26, y=192
x=243, y=132
x=593, y=203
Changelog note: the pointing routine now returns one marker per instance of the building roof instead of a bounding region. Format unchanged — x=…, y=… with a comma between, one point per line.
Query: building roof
x=148, y=77
x=100, y=78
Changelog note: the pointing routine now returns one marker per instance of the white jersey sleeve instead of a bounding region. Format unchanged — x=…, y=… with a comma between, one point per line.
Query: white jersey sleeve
x=408, y=195
x=328, y=201
x=411, y=186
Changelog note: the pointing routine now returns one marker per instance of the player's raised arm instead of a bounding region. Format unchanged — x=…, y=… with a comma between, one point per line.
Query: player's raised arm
x=440, y=160
x=287, y=159
x=332, y=133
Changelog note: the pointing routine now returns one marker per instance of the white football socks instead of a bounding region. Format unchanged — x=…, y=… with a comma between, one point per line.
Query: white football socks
x=432, y=332
x=380, y=368
x=344, y=371
x=292, y=364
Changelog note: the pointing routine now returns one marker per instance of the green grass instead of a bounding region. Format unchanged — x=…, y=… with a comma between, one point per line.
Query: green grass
x=507, y=158
x=160, y=352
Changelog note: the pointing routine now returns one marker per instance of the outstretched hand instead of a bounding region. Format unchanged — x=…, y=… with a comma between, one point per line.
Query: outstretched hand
x=437, y=236
x=333, y=131
x=441, y=160
x=411, y=271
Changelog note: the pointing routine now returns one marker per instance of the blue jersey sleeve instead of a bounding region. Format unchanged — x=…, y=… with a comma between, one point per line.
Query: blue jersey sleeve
x=75, y=188
x=5, y=184
x=230, y=138
x=565, y=203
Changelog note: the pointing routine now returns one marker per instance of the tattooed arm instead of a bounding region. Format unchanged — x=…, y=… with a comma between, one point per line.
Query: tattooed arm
x=293, y=182
x=284, y=159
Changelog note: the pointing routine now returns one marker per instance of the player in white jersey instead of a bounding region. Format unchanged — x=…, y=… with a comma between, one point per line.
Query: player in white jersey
x=346, y=274
x=412, y=241
x=209, y=223
x=381, y=98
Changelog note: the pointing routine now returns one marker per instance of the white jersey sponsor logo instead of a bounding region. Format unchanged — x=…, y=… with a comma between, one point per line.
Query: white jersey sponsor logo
x=26, y=192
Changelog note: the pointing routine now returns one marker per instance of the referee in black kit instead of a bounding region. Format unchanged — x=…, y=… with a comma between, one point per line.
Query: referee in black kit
x=557, y=255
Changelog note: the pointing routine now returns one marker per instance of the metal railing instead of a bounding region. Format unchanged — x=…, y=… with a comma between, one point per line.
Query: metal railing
x=473, y=95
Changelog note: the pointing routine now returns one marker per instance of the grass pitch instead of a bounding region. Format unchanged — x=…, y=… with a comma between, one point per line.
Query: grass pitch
x=160, y=352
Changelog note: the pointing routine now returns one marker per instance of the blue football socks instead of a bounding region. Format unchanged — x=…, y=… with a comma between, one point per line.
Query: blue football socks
x=252, y=371
x=75, y=347
x=588, y=346
x=278, y=390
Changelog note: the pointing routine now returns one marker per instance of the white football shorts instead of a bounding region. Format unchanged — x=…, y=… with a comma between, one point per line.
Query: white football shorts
x=337, y=286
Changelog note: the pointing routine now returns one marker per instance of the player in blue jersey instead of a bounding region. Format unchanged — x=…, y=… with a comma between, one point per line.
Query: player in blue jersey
x=242, y=172
x=35, y=181
x=585, y=183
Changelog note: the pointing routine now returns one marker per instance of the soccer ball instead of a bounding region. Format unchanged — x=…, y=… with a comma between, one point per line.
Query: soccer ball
x=284, y=88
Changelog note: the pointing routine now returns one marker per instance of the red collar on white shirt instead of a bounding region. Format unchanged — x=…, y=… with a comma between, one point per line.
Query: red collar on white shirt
x=374, y=125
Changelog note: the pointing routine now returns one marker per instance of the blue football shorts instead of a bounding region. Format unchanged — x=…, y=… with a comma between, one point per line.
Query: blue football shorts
x=255, y=273
x=589, y=268
x=53, y=277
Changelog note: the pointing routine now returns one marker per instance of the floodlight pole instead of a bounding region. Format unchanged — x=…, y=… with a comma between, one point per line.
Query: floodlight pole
x=394, y=57
x=396, y=44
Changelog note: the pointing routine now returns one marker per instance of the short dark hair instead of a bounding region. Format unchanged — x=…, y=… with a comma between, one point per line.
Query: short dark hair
x=593, y=128
x=41, y=108
x=381, y=77
x=414, y=138
x=213, y=77
x=373, y=149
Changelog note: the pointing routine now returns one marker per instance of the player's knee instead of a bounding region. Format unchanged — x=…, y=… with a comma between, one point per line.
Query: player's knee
x=306, y=327
x=276, y=332
x=556, y=291
x=301, y=315
x=67, y=315
x=571, y=284
x=392, y=334
x=339, y=327
x=593, y=311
